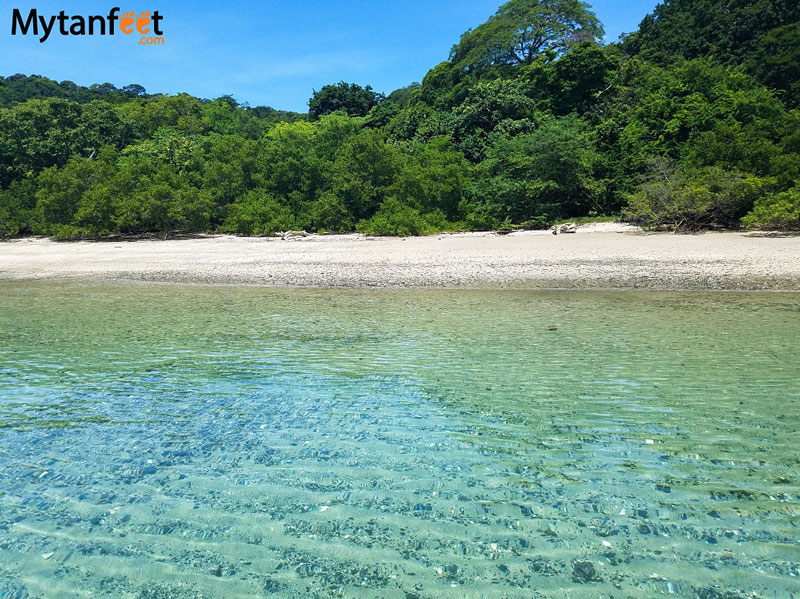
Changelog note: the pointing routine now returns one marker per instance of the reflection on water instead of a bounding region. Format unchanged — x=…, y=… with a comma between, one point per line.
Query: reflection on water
x=188, y=442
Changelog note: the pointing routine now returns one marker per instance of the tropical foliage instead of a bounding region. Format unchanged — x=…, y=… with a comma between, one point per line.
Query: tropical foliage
x=690, y=122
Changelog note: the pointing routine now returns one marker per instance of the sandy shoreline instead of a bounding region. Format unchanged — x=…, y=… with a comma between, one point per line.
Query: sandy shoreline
x=602, y=256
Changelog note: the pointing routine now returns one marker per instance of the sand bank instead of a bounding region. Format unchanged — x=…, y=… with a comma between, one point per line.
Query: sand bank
x=602, y=256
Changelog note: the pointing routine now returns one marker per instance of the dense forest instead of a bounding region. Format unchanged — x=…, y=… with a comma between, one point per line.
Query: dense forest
x=692, y=121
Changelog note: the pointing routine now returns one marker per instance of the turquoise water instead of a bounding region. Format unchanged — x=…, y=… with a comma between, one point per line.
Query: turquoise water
x=188, y=442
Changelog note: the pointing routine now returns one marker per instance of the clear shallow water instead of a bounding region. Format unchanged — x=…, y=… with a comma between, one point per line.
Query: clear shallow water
x=186, y=442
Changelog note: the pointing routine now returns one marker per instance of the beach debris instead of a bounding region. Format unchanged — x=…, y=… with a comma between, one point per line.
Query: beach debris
x=565, y=228
x=287, y=235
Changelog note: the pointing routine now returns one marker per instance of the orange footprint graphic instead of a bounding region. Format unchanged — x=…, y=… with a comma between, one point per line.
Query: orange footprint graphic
x=126, y=22
x=142, y=22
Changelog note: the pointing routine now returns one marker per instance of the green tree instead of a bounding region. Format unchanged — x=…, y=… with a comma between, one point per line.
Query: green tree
x=727, y=29
x=381, y=114
x=168, y=145
x=521, y=30
x=395, y=218
x=145, y=116
x=231, y=166
x=293, y=174
x=330, y=213
x=543, y=175
x=59, y=191
x=697, y=113
x=492, y=106
x=17, y=204
x=38, y=134
x=257, y=213
x=94, y=214
x=345, y=97
x=776, y=62
x=152, y=197
x=401, y=97
x=331, y=132
x=363, y=173
x=445, y=86
x=575, y=82
x=435, y=177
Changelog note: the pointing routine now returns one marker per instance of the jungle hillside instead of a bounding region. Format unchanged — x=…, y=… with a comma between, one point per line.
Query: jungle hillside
x=691, y=122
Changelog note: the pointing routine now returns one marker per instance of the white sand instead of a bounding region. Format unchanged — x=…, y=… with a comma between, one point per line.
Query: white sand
x=606, y=255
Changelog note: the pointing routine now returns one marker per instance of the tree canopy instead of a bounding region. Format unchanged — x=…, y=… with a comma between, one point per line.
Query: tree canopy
x=522, y=30
x=350, y=98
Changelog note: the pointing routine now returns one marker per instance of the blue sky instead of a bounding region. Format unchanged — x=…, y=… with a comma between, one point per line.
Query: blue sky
x=273, y=52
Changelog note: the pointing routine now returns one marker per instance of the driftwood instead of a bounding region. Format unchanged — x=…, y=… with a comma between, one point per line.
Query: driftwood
x=293, y=235
x=565, y=228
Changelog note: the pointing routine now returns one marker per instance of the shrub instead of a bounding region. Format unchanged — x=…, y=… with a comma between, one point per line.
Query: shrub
x=329, y=213
x=480, y=216
x=780, y=210
x=256, y=213
x=395, y=218
x=706, y=198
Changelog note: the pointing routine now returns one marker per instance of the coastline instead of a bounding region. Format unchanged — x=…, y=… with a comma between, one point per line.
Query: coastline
x=599, y=256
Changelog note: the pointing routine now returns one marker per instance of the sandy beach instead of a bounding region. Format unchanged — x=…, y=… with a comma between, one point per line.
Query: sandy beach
x=599, y=256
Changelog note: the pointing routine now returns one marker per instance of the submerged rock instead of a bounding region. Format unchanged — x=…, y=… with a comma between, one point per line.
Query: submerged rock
x=717, y=593
x=585, y=571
